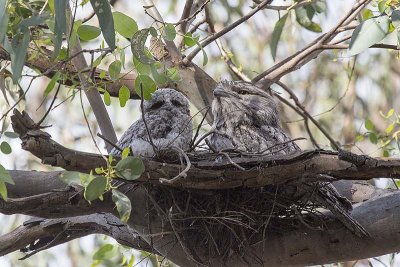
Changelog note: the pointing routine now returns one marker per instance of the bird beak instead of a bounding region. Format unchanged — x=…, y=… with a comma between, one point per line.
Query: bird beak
x=222, y=93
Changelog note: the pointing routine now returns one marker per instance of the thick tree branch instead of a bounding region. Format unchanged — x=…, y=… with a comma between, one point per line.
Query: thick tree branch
x=40, y=234
x=206, y=174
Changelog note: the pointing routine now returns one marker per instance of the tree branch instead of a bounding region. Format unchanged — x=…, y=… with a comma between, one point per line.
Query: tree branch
x=206, y=174
x=227, y=29
x=92, y=94
x=309, y=52
x=41, y=234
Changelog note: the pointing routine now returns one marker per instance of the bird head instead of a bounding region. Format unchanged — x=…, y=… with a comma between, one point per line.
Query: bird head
x=166, y=99
x=244, y=102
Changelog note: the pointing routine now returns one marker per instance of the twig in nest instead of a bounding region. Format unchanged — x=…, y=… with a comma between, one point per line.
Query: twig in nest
x=109, y=142
x=202, y=137
x=192, y=147
x=183, y=173
x=144, y=121
x=231, y=161
x=185, y=249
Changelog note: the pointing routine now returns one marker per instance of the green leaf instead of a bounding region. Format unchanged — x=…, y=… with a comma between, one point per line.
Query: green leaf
x=3, y=190
x=369, y=125
x=123, y=204
x=189, y=40
x=153, y=31
x=88, y=32
x=386, y=153
x=314, y=27
x=368, y=33
x=4, y=17
x=124, y=94
x=107, y=251
x=11, y=134
x=5, y=148
x=359, y=138
x=102, y=9
x=52, y=83
x=107, y=98
x=124, y=25
x=390, y=128
x=71, y=177
x=5, y=176
x=20, y=48
x=95, y=188
x=148, y=85
x=160, y=78
x=366, y=14
x=302, y=17
x=114, y=69
x=141, y=68
x=169, y=32
x=205, y=57
x=130, y=168
x=125, y=152
x=60, y=24
x=276, y=35
x=382, y=6
x=138, y=46
x=173, y=74
x=373, y=138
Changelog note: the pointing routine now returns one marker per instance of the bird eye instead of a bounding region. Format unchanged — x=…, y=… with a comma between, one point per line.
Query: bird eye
x=157, y=105
x=242, y=92
x=176, y=103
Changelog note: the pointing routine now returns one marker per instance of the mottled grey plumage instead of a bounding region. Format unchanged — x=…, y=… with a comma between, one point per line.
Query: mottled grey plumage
x=168, y=119
x=246, y=119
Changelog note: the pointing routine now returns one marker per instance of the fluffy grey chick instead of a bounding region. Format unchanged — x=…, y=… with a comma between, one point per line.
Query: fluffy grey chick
x=246, y=118
x=168, y=119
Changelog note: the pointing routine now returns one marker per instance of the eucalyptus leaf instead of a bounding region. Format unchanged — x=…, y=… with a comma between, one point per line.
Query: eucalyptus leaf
x=124, y=25
x=88, y=32
x=71, y=177
x=147, y=84
x=276, y=35
x=3, y=190
x=60, y=24
x=169, y=32
x=20, y=49
x=107, y=98
x=5, y=176
x=102, y=9
x=130, y=168
x=368, y=33
x=124, y=94
x=95, y=188
x=123, y=204
x=52, y=83
x=107, y=251
x=5, y=148
x=138, y=47
x=114, y=69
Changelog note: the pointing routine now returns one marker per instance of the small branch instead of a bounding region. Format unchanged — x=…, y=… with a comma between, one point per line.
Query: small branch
x=182, y=174
x=224, y=54
x=145, y=123
x=227, y=29
x=308, y=115
x=309, y=52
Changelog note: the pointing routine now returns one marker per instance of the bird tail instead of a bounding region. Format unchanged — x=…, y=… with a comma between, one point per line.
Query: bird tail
x=329, y=197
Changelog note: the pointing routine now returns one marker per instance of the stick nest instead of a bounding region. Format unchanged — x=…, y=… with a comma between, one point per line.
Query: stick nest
x=220, y=222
